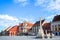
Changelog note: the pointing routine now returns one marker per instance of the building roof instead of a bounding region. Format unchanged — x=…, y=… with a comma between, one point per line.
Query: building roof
x=56, y=18
x=47, y=26
x=38, y=23
x=11, y=27
x=6, y=28
x=14, y=28
x=28, y=24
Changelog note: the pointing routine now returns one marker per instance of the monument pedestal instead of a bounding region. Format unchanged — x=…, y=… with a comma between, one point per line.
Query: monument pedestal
x=40, y=34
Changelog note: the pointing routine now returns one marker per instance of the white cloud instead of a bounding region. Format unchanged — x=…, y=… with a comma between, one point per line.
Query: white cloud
x=6, y=21
x=7, y=17
x=41, y=2
x=5, y=24
x=49, y=4
x=50, y=17
x=54, y=5
x=58, y=13
x=22, y=19
x=21, y=2
x=26, y=19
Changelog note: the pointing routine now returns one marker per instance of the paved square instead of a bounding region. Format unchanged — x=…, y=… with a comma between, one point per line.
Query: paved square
x=26, y=38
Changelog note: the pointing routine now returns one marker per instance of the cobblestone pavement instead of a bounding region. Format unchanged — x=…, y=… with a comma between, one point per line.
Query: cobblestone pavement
x=26, y=38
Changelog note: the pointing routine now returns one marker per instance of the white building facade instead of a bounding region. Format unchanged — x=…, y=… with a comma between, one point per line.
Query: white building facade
x=55, y=25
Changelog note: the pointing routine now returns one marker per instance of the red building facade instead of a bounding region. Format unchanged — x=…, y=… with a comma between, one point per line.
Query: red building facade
x=14, y=31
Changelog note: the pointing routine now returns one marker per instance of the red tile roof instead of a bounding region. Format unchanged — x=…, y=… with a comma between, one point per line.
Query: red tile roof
x=29, y=25
x=14, y=28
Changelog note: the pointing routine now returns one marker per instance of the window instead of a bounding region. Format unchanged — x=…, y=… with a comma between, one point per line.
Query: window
x=52, y=25
x=59, y=33
x=59, y=28
x=56, y=33
x=58, y=25
x=55, y=27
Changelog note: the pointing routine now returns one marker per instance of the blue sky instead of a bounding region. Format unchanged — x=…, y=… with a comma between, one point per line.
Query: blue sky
x=13, y=12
